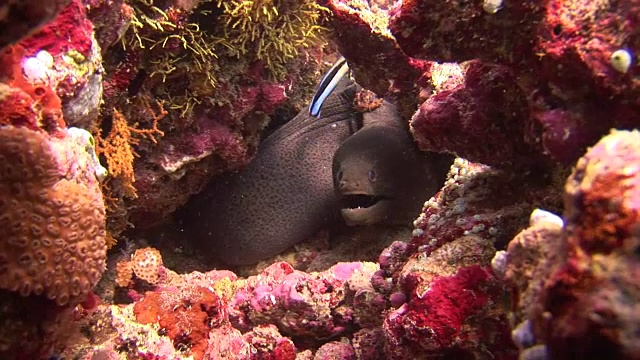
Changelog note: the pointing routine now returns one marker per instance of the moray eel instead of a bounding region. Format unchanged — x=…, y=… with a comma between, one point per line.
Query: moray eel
x=380, y=175
x=285, y=194
x=295, y=186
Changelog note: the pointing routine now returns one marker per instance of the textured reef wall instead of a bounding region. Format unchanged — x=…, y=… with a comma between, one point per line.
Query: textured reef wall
x=114, y=112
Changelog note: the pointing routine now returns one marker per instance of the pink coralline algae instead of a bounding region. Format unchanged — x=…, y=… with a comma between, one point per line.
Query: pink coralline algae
x=300, y=304
x=369, y=47
x=453, y=306
x=575, y=281
x=560, y=87
x=447, y=299
x=488, y=105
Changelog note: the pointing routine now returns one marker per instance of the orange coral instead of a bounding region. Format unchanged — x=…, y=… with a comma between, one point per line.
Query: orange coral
x=117, y=146
x=146, y=264
x=119, y=154
x=44, y=99
x=186, y=317
x=16, y=108
x=51, y=228
x=124, y=273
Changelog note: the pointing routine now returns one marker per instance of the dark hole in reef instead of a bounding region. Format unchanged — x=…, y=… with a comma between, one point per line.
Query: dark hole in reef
x=183, y=342
x=136, y=83
x=557, y=30
x=203, y=15
x=106, y=125
x=39, y=91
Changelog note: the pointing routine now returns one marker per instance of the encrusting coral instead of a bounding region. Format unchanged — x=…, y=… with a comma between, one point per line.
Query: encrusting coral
x=51, y=227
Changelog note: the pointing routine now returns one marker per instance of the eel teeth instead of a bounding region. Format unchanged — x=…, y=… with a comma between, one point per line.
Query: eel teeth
x=328, y=83
x=359, y=201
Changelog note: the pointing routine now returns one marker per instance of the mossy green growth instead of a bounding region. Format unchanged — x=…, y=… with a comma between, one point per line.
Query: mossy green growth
x=273, y=30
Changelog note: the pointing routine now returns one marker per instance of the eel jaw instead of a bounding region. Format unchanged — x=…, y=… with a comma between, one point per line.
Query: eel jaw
x=362, y=209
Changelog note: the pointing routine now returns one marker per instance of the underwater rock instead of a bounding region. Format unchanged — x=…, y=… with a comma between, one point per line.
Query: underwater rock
x=301, y=304
x=59, y=65
x=443, y=31
x=202, y=315
x=565, y=91
x=453, y=306
x=452, y=247
x=478, y=200
x=267, y=343
x=365, y=41
x=335, y=350
x=481, y=120
x=111, y=19
x=578, y=284
x=18, y=19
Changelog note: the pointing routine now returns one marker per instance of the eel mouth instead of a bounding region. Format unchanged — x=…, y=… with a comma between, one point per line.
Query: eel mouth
x=360, y=201
x=363, y=209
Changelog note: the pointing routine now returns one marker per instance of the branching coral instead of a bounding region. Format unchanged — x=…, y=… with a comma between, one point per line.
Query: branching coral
x=51, y=227
x=117, y=147
x=274, y=29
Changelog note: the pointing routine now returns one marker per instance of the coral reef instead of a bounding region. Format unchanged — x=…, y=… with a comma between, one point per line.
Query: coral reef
x=214, y=80
x=176, y=92
x=540, y=86
x=574, y=281
x=145, y=264
x=42, y=253
x=273, y=31
x=52, y=239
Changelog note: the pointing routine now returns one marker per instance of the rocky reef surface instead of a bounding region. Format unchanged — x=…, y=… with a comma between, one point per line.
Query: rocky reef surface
x=114, y=112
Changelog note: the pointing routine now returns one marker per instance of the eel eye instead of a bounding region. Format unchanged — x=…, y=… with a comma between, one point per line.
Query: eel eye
x=372, y=175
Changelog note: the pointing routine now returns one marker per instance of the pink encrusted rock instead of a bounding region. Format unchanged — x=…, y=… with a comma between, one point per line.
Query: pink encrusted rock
x=19, y=19
x=477, y=200
x=453, y=306
x=335, y=350
x=226, y=342
x=267, y=344
x=446, y=31
x=575, y=41
x=300, y=304
x=63, y=58
x=482, y=120
x=111, y=19
x=369, y=344
x=563, y=91
x=575, y=281
x=363, y=38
